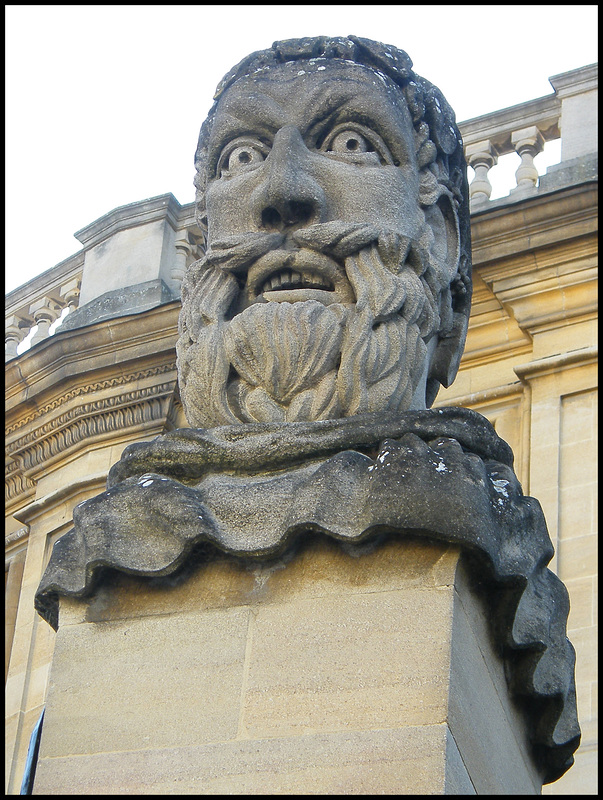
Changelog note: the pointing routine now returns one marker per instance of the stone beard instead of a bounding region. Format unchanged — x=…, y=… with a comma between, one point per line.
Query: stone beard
x=335, y=265
x=307, y=360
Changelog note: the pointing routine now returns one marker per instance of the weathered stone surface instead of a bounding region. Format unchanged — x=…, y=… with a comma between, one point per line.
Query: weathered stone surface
x=483, y=717
x=402, y=761
x=119, y=302
x=314, y=655
x=336, y=279
x=98, y=702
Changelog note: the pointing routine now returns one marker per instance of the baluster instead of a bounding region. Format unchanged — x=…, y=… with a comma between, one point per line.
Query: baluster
x=197, y=245
x=528, y=142
x=183, y=250
x=16, y=330
x=482, y=157
x=70, y=293
x=44, y=311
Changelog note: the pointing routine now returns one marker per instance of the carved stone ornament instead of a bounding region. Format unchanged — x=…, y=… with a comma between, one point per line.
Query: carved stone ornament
x=331, y=303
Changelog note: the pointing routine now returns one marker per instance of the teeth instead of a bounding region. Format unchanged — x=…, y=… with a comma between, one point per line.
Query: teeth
x=291, y=279
x=312, y=279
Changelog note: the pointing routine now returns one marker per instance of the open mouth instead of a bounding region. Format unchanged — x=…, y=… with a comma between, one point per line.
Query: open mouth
x=297, y=275
x=289, y=279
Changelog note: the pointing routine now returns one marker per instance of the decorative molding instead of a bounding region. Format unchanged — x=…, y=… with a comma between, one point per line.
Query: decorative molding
x=154, y=209
x=89, y=388
x=541, y=221
x=484, y=397
x=88, y=409
x=556, y=363
x=15, y=536
x=15, y=482
x=47, y=282
x=59, y=496
x=84, y=355
x=570, y=256
x=101, y=417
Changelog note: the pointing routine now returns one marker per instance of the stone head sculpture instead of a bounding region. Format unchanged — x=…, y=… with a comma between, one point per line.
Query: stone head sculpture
x=331, y=185
x=333, y=294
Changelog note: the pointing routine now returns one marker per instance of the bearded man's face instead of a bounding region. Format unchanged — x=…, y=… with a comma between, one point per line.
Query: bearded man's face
x=320, y=295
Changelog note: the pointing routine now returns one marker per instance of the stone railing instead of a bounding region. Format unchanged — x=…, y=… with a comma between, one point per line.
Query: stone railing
x=568, y=114
x=41, y=302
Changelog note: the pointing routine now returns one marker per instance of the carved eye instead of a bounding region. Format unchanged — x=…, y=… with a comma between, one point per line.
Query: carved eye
x=349, y=142
x=358, y=144
x=241, y=156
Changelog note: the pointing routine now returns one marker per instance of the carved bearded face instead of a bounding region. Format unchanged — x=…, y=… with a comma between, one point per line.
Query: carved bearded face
x=326, y=284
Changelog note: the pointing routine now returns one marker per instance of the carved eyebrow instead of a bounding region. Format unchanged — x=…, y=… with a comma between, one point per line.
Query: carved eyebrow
x=323, y=101
x=326, y=116
x=328, y=106
x=353, y=114
x=246, y=114
x=255, y=115
x=260, y=114
x=321, y=126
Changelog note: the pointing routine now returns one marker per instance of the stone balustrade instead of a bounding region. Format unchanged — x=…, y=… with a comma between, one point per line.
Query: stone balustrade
x=39, y=303
x=567, y=114
x=160, y=252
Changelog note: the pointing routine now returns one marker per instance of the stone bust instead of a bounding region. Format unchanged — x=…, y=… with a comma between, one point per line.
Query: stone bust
x=332, y=189
x=331, y=304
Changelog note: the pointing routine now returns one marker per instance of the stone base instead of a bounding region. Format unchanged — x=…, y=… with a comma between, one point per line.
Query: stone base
x=334, y=671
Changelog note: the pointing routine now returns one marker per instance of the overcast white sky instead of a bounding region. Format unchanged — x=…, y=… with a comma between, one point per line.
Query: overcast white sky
x=104, y=103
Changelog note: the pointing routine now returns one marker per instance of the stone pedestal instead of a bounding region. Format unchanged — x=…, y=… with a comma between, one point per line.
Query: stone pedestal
x=337, y=670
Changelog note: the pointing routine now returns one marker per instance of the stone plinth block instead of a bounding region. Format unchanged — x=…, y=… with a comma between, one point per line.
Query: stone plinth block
x=336, y=669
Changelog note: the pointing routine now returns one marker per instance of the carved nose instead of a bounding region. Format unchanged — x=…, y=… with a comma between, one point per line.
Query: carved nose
x=290, y=196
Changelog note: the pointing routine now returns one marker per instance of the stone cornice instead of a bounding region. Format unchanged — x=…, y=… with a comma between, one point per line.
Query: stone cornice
x=186, y=218
x=545, y=297
x=53, y=442
x=164, y=206
x=79, y=391
x=498, y=126
x=577, y=81
x=17, y=486
x=485, y=397
x=75, y=356
x=539, y=221
x=16, y=536
x=556, y=363
x=86, y=386
x=57, y=431
x=570, y=256
x=45, y=283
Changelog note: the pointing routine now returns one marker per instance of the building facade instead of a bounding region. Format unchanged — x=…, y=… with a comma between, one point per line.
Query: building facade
x=106, y=377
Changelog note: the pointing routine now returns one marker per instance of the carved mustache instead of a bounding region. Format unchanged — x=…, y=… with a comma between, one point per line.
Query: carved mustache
x=336, y=239
x=361, y=247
